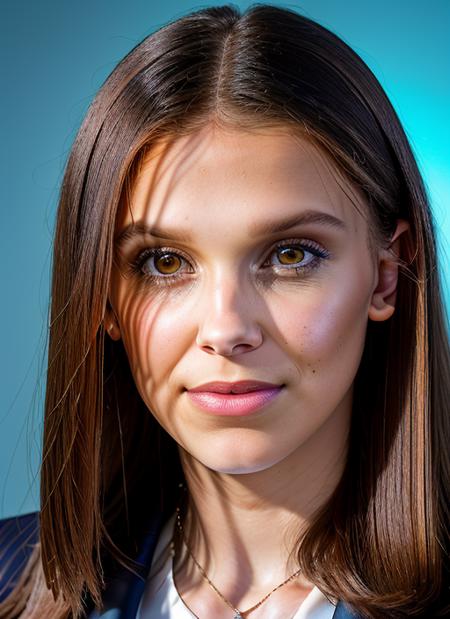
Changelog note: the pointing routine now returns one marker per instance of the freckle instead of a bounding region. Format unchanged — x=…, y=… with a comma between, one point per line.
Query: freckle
x=314, y=371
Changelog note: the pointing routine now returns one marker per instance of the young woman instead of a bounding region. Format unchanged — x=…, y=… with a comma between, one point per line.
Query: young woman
x=248, y=378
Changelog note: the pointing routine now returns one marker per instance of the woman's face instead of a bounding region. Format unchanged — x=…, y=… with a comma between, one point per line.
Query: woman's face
x=265, y=274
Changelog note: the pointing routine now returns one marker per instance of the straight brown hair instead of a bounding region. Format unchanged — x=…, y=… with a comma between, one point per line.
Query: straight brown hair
x=381, y=543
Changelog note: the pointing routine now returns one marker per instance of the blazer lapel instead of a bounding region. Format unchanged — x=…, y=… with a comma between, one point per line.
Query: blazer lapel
x=123, y=592
x=343, y=612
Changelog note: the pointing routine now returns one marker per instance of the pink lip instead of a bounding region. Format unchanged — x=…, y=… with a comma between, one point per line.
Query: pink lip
x=233, y=404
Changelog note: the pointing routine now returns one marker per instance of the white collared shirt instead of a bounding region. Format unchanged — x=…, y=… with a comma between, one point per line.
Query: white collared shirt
x=162, y=601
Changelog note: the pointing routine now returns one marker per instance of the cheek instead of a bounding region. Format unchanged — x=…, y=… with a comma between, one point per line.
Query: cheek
x=154, y=332
x=323, y=328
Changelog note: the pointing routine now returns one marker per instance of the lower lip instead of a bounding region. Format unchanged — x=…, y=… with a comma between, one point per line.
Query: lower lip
x=233, y=404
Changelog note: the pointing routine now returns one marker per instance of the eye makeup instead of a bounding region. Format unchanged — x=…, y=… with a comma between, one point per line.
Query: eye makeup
x=308, y=253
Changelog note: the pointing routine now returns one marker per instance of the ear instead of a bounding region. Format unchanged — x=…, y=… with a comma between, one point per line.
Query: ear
x=110, y=323
x=382, y=305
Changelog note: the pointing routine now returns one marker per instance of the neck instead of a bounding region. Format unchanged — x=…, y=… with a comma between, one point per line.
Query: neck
x=255, y=519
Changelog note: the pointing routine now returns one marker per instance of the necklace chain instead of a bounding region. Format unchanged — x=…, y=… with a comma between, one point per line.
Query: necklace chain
x=238, y=614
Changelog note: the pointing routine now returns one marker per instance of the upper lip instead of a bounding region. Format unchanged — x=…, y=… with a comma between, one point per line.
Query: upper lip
x=241, y=386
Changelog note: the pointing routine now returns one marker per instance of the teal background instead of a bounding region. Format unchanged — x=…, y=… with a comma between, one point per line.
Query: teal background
x=54, y=57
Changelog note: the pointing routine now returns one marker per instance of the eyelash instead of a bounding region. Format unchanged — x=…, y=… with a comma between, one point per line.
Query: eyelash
x=137, y=264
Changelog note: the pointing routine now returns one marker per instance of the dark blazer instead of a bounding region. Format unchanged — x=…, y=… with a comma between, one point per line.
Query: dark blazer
x=123, y=592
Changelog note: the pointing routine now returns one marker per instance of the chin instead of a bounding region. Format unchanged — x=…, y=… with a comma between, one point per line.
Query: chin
x=241, y=461
x=241, y=468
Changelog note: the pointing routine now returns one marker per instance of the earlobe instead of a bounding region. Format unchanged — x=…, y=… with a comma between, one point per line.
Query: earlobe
x=111, y=324
x=384, y=296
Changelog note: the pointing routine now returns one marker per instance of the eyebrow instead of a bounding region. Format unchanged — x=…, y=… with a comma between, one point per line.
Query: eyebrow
x=266, y=227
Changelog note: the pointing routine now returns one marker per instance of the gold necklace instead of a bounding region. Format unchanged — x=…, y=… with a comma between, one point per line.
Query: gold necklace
x=238, y=614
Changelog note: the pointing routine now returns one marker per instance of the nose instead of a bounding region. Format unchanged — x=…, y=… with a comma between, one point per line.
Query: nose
x=228, y=325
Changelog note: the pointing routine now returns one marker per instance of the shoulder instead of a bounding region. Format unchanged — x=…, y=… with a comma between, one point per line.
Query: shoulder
x=18, y=536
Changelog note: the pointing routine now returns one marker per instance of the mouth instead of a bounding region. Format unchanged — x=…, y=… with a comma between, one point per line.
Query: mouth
x=241, y=386
x=234, y=399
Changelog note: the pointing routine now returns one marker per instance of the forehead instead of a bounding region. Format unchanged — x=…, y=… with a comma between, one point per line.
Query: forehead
x=223, y=176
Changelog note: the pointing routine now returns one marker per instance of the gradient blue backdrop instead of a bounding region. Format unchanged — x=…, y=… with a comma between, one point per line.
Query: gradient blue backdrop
x=55, y=55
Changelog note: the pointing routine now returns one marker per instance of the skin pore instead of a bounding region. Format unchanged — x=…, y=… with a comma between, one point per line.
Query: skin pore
x=240, y=309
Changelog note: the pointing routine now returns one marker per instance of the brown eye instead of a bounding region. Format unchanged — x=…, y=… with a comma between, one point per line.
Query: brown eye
x=167, y=264
x=290, y=255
